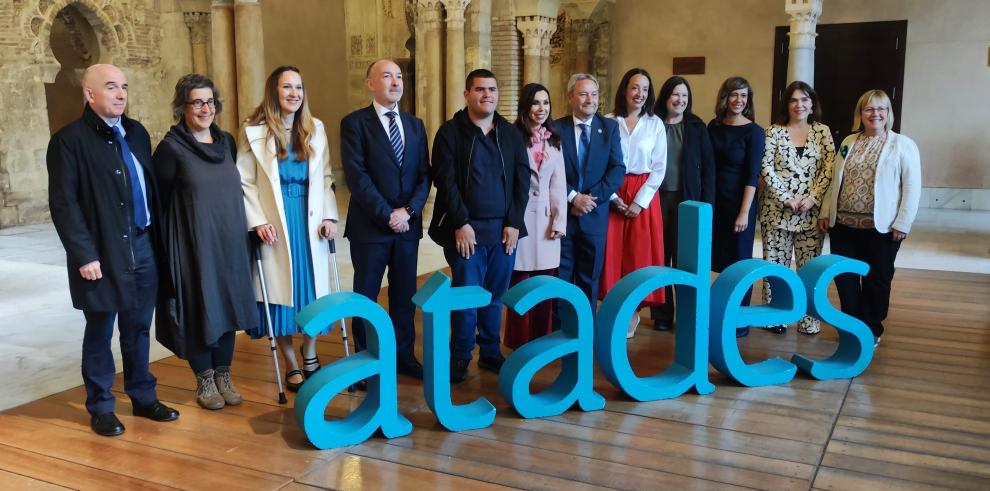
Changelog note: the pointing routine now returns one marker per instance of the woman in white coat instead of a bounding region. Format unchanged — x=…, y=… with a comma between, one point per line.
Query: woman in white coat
x=546, y=213
x=285, y=173
x=870, y=206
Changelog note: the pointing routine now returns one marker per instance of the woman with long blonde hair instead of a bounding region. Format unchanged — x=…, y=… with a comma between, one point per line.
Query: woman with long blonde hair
x=285, y=174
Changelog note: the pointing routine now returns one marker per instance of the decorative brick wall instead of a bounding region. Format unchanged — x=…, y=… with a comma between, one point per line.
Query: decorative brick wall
x=507, y=64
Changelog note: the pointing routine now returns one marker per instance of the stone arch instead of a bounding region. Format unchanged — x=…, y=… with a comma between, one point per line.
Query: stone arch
x=104, y=19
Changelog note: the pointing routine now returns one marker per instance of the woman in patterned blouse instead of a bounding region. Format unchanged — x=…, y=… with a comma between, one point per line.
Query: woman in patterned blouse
x=797, y=169
x=870, y=206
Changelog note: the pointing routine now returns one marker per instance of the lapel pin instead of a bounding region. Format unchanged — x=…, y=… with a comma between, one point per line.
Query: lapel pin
x=599, y=131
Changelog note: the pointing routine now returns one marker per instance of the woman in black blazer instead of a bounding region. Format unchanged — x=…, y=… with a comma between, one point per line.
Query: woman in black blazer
x=690, y=173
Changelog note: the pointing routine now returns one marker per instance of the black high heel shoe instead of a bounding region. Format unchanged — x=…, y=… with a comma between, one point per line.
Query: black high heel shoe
x=309, y=361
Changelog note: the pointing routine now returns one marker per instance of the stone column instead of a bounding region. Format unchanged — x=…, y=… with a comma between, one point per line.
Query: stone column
x=223, y=71
x=545, y=51
x=455, y=54
x=801, y=52
x=429, y=64
x=199, y=25
x=249, y=51
x=534, y=28
x=478, y=35
x=582, y=30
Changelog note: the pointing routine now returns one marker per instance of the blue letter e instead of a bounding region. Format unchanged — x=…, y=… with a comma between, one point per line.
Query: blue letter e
x=572, y=343
x=377, y=364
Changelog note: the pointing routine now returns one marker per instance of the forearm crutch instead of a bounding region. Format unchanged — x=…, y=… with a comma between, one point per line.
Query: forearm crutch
x=268, y=321
x=336, y=288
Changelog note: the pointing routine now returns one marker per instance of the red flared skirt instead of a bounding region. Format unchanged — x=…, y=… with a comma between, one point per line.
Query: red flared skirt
x=633, y=243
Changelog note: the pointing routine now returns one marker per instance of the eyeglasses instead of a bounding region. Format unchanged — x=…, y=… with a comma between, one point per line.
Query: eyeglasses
x=875, y=110
x=198, y=103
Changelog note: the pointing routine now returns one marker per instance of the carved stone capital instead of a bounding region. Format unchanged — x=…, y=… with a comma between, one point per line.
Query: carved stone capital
x=199, y=26
x=536, y=30
x=455, y=12
x=428, y=13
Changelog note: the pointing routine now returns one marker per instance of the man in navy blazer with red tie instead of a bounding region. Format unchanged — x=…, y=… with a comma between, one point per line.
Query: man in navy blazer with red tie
x=386, y=166
x=594, y=168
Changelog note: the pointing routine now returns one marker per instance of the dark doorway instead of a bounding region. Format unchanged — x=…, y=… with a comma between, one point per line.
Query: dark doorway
x=75, y=46
x=849, y=60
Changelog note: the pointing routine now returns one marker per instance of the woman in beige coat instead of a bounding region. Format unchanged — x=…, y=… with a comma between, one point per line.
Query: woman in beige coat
x=546, y=214
x=285, y=173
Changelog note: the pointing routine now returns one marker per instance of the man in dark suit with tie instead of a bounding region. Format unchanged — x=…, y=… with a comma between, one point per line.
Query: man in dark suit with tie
x=102, y=197
x=594, y=168
x=386, y=166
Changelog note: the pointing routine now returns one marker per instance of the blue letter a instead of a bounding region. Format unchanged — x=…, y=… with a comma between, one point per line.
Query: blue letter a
x=573, y=343
x=690, y=365
x=377, y=364
x=437, y=299
x=855, y=349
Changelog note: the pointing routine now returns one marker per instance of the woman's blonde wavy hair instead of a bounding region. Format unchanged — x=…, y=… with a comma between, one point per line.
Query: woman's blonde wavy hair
x=269, y=113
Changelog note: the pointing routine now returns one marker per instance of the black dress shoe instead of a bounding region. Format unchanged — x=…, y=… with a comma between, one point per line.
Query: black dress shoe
x=411, y=368
x=361, y=385
x=662, y=324
x=491, y=363
x=742, y=332
x=156, y=411
x=782, y=329
x=458, y=370
x=106, y=424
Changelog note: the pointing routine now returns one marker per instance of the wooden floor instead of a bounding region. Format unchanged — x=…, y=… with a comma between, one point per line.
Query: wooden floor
x=919, y=418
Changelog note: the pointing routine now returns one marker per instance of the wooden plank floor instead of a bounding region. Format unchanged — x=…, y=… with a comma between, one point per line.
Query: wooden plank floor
x=919, y=418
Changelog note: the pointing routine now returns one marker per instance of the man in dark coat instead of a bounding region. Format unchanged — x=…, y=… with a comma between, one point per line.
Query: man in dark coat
x=481, y=170
x=594, y=168
x=101, y=195
x=386, y=165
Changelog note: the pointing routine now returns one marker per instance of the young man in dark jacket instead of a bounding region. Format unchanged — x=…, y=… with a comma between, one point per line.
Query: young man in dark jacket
x=481, y=172
x=102, y=194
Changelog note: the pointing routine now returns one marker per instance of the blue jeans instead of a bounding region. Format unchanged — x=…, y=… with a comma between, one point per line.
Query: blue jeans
x=490, y=268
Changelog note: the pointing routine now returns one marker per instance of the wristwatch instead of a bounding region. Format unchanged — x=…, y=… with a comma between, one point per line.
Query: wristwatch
x=410, y=211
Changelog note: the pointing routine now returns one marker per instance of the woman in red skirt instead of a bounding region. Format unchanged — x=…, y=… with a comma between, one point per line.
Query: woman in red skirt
x=635, y=227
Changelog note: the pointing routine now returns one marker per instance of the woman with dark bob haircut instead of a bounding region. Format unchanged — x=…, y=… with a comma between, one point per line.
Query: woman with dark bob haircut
x=205, y=293
x=738, y=144
x=546, y=214
x=634, y=238
x=690, y=174
x=797, y=170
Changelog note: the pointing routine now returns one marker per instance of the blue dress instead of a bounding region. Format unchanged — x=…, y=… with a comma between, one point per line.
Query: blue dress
x=738, y=155
x=294, y=176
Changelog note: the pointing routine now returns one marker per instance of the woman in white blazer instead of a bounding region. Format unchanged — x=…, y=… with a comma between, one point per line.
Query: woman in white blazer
x=870, y=206
x=546, y=213
x=285, y=173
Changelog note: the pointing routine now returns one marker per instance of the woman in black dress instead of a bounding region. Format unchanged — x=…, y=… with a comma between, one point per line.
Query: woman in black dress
x=206, y=287
x=738, y=145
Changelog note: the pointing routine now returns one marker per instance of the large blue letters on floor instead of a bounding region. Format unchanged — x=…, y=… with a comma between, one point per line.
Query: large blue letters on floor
x=707, y=318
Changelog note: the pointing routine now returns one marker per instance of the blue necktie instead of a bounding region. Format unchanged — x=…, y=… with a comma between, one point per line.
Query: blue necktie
x=394, y=137
x=583, y=154
x=137, y=194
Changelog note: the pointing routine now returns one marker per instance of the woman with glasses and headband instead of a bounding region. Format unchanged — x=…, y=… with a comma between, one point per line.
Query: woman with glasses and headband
x=290, y=204
x=797, y=169
x=870, y=206
x=205, y=281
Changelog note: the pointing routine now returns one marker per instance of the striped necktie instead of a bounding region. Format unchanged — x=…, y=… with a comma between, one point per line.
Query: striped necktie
x=394, y=137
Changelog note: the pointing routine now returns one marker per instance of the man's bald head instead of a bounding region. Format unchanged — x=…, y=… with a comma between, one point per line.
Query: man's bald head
x=384, y=81
x=105, y=90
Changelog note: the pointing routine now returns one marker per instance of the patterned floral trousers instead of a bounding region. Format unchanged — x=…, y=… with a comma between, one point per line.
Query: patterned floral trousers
x=778, y=246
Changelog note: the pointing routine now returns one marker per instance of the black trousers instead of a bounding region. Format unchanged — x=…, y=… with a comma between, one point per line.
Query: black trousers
x=866, y=298
x=668, y=208
x=98, y=368
x=371, y=260
x=220, y=356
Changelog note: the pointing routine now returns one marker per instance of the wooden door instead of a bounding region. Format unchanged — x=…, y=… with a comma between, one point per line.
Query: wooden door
x=849, y=60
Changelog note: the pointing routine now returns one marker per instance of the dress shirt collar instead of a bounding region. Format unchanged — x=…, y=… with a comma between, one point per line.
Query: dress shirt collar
x=382, y=110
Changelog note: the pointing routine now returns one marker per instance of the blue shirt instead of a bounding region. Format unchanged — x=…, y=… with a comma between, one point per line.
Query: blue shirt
x=140, y=175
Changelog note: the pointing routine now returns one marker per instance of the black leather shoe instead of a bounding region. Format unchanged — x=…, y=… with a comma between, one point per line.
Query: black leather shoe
x=491, y=363
x=782, y=329
x=156, y=411
x=662, y=324
x=411, y=368
x=742, y=332
x=106, y=424
x=458, y=370
x=361, y=385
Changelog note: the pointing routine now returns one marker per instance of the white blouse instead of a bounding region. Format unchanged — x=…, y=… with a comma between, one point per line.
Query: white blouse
x=644, y=150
